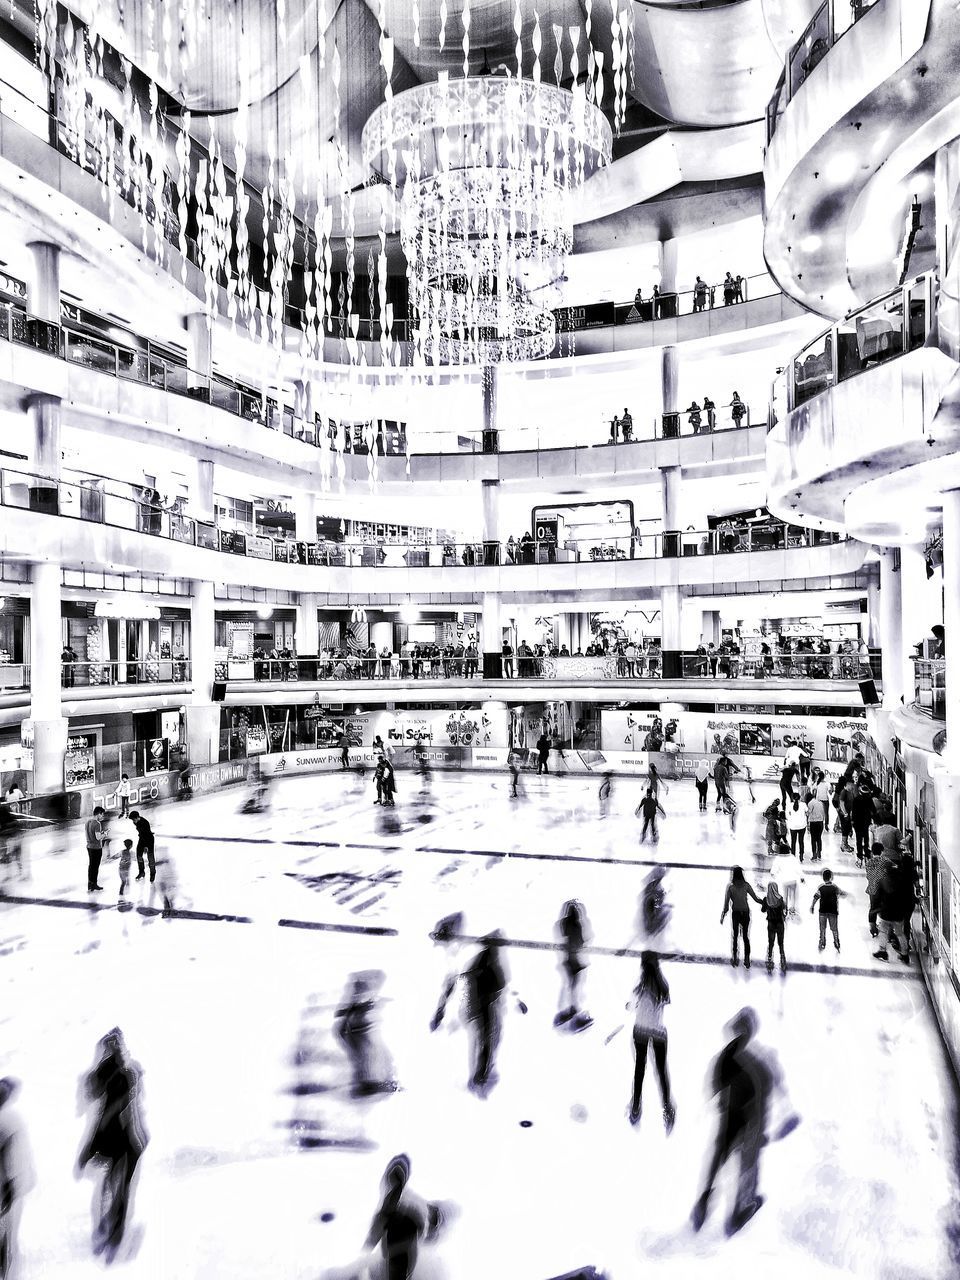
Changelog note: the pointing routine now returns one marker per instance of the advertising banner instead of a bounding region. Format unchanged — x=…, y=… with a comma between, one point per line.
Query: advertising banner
x=158, y=755
x=259, y=548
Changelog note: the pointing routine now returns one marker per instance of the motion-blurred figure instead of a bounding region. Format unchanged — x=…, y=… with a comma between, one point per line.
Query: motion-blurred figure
x=513, y=764
x=16, y=1177
x=744, y=1080
x=117, y=1138
x=166, y=885
x=650, y=996
x=258, y=797
x=447, y=935
x=486, y=981
x=653, y=910
x=605, y=793
x=574, y=934
x=401, y=1221
x=355, y=1025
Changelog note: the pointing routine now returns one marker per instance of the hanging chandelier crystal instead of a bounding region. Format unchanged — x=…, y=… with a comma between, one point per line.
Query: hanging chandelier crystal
x=483, y=168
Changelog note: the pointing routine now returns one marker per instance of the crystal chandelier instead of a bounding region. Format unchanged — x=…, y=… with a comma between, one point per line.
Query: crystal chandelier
x=483, y=168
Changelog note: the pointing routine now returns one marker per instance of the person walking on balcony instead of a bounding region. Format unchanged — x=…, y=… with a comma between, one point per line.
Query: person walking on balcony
x=614, y=430
x=67, y=658
x=738, y=288
x=710, y=409
x=507, y=658
x=626, y=426
x=699, y=295
x=693, y=417
x=738, y=410
x=729, y=290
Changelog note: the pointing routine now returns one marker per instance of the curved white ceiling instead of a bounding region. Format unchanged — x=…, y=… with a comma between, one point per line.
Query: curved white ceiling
x=786, y=21
x=704, y=66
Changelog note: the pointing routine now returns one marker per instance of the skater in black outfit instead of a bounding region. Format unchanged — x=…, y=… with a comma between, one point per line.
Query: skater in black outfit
x=401, y=1221
x=574, y=934
x=736, y=901
x=117, y=1140
x=775, y=909
x=604, y=794
x=513, y=764
x=543, y=754
x=16, y=1177
x=649, y=807
x=744, y=1079
x=344, y=744
x=651, y=995
x=486, y=982
x=145, y=845
x=355, y=1025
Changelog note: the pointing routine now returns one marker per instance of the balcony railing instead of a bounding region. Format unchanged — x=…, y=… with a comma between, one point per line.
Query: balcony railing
x=97, y=673
x=891, y=326
x=98, y=505
x=832, y=20
x=930, y=686
x=13, y=676
x=638, y=665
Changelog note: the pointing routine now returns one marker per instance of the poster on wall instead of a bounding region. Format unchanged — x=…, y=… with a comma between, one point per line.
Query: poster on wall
x=755, y=738
x=158, y=755
x=80, y=760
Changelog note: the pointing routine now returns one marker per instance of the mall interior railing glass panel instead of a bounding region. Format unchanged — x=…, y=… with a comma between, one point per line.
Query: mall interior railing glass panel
x=930, y=686
x=890, y=326
x=649, y=664
x=111, y=672
x=831, y=21
x=93, y=502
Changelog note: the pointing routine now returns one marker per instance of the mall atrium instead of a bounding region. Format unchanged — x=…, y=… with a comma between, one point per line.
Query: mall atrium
x=439, y=439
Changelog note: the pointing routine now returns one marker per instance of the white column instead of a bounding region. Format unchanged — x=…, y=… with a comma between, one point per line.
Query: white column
x=951, y=624
x=668, y=266
x=201, y=499
x=874, y=635
x=670, y=479
x=670, y=379
x=491, y=634
x=199, y=351
x=307, y=630
x=49, y=725
x=915, y=621
x=490, y=516
x=202, y=713
x=43, y=286
x=43, y=412
x=670, y=601
x=305, y=511
x=890, y=606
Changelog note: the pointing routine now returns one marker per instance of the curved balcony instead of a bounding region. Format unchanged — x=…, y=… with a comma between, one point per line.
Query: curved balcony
x=74, y=525
x=861, y=107
x=857, y=440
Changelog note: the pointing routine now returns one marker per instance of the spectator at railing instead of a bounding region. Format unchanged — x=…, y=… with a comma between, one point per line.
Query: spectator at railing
x=699, y=295
x=527, y=549
x=737, y=409
x=710, y=409
x=67, y=658
x=693, y=417
x=511, y=550
x=939, y=647
x=626, y=426
x=614, y=430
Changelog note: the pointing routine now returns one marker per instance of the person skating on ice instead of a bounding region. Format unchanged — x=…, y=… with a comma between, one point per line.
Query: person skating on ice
x=702, y=779
x=828, y=895
x=401, y=1221
x=574, y=932
x=126, y=858
x=650, y=997
x=145, y=845
x=543, y=754
x=17, y=1178
x=648, y=808
x=605, y=793
x=486, y=981
x=736, y=900
x=117, y=1138
x=744, y=1079
x=774, y=907
x=355, y=1025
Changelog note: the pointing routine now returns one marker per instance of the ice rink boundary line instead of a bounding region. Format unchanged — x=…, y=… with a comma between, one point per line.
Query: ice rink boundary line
x=501, y=853
x=692, y=957
x=383, y=931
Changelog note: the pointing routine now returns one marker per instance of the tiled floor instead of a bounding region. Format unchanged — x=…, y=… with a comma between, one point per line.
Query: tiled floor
x=230, y=1019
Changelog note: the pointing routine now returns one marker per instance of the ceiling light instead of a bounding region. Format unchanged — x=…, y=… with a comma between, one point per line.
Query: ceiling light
x=409, y=614
x=264, y=612
x=810, y=244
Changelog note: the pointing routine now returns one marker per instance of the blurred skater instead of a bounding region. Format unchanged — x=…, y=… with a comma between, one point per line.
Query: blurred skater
x=17, y=1177
x=655, y=781
x=744, y=1080
x=401, y=1221
x=513, y=764
x=126, y=858
x=774, y=907
x=702, y=779
x=116, y=1141
x=653, y=911
x=448, y=937
x=736, y=901
x=543, y=754
x=574, y=935
x=355, y=1026
x=650, y=997
x=605, y=793
x=486, y=981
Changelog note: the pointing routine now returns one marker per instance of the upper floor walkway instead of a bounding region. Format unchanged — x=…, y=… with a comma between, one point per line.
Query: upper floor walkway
x=81, y=524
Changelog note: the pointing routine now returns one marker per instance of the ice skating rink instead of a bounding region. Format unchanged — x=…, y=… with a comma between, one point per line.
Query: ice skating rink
x=262, y=1167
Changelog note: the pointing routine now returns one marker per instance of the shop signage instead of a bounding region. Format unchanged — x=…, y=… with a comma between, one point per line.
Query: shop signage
x=158, y=755
x=259, y=548
x=592, y=316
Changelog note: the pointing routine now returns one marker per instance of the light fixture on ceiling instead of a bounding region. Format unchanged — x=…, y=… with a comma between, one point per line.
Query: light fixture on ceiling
x=264, y=612
x=484, y=168
x=409, y=614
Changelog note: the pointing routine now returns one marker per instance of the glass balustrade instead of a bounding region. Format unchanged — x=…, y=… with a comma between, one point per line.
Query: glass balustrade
x=889, y=327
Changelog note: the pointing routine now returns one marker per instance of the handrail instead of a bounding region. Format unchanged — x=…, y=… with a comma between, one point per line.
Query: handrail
x=94, y=504
x=832, y=20
x=81, y=673
x=892, y=325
